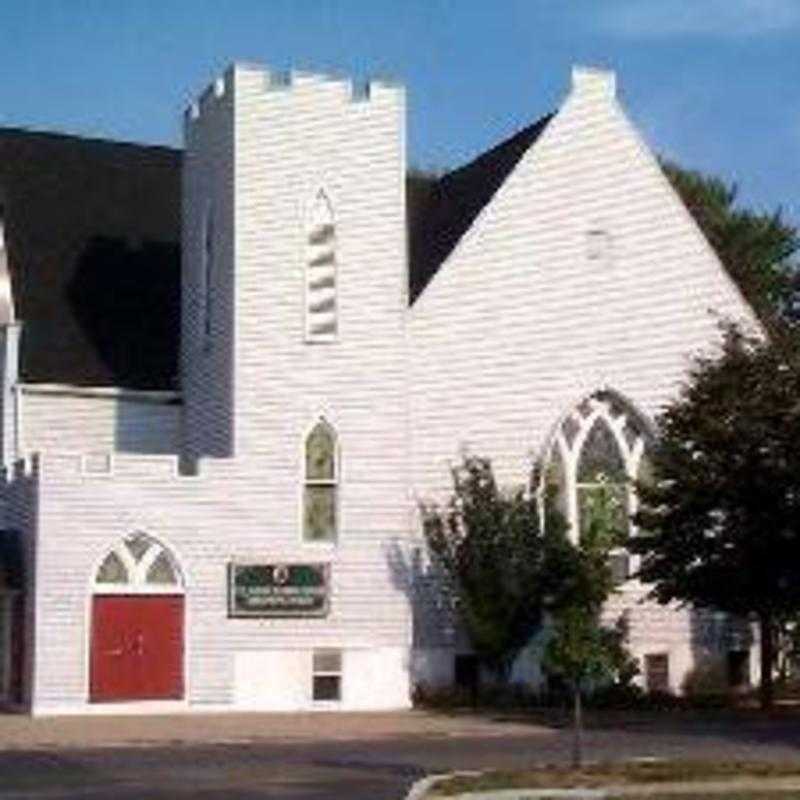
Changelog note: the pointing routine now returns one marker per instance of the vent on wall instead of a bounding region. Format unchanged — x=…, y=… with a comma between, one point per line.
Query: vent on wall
x=599, y=247
x=321, y=323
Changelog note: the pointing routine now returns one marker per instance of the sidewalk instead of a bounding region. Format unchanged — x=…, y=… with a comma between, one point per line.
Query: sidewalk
x=18, y=732
x=686, y=789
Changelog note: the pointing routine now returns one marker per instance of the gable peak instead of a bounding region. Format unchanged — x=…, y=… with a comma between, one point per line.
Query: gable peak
x=594, y=81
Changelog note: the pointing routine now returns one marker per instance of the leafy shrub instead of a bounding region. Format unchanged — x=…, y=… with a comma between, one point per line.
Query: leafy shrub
x=708, y=677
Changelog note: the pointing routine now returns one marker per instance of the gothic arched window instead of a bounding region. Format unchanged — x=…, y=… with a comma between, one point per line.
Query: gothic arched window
x=597, y=451
x=320, y=273
x=138, y=564
x=320, y=504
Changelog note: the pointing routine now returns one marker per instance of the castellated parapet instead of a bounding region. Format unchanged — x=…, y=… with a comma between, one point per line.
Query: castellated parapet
x=278, y=84
x=86, y=466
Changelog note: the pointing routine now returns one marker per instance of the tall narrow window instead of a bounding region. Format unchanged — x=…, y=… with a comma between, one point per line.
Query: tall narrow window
x=208, y=274
x=321, y=316
x=320, y=489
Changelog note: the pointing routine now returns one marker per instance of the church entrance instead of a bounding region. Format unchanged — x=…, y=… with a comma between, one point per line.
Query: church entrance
x=137, y=629
x=137, y=648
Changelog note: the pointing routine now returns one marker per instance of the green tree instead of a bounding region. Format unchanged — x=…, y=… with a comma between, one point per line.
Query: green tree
x=758, y=250
x=494, y=557
x=581, y=650
x=723, y=513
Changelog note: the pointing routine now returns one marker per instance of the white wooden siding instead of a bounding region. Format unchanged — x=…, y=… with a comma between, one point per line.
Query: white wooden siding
x=85, y=424
x=276, y=146
x=519, y=325
x=516, y=328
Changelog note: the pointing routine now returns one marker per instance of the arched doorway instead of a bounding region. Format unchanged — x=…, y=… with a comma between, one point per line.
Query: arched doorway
x=137, y=628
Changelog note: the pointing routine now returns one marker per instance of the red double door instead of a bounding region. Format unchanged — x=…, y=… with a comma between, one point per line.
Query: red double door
x=137, y=648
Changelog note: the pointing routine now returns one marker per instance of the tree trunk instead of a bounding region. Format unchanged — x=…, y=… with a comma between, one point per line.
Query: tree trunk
x=767, y=648
x=577, y=733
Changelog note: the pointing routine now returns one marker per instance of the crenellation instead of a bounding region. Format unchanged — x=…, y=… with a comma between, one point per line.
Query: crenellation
x=287, y=81
x=280, y=79
x=216, y=91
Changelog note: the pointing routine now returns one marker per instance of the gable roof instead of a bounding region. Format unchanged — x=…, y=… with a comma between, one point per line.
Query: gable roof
x=442, y=210
x=92, y=231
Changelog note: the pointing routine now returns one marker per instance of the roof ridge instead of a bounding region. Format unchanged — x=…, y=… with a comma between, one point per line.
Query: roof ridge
x=13, y=131
x=455, y=200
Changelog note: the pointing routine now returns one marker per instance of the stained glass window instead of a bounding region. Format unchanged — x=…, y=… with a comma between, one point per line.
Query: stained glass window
x=320, y=492
x=556, y=481
x=320, y=513
x=600, y=456
x=161, y=570
x=138, y=544
x=137, y=562
x=598, y=448
x=112, y=570
x=321, y=454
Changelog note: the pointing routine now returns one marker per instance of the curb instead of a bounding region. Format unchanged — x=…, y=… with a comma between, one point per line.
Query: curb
x=536, y=794
x=419, y=789
x=709, y=788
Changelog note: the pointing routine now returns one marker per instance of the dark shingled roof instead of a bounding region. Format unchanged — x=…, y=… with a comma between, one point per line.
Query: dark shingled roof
x=441, y=211
x=93, y=237
x=93, y=232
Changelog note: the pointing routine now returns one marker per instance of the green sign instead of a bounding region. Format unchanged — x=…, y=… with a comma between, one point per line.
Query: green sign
x=278, y=590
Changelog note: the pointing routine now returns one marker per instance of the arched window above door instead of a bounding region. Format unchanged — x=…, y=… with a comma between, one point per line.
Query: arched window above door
x=139, y=563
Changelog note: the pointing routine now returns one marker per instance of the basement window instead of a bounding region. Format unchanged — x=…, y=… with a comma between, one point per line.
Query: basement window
x=327, y=675
x=656, y=672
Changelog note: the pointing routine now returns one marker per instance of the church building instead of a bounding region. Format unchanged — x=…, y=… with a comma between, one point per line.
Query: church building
x=230, y=373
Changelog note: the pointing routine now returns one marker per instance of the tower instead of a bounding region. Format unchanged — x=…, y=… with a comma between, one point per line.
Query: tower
x=294, y=256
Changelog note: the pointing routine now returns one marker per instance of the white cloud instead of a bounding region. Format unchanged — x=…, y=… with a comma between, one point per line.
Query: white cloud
x=714, y=18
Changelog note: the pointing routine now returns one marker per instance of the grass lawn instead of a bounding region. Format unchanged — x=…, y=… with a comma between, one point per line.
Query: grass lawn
x=777, y=794
x=597, y=776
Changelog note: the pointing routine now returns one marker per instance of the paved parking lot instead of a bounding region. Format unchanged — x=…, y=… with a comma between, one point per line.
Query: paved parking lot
x=359, y=756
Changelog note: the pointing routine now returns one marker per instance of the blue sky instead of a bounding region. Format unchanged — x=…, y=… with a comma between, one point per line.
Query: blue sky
x=713, y=84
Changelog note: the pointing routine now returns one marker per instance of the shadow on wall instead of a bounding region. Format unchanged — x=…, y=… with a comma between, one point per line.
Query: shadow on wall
x=147, y=428
x=436, y=634
x=433, y=624
x=722, y=654
x=127, y=302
